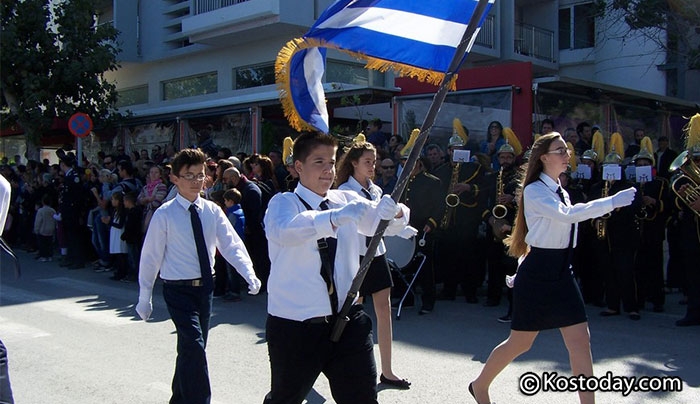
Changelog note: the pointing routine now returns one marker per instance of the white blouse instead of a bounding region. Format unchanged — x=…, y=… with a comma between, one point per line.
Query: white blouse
x=549, y=219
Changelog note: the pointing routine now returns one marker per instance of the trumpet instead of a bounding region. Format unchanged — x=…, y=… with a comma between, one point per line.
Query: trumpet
x=499, y=211
x=601, y=223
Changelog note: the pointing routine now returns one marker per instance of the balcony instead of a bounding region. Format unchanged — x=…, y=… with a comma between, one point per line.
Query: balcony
x=486, y=35
x=231, y=22
x=534, y=42
x=205, y=6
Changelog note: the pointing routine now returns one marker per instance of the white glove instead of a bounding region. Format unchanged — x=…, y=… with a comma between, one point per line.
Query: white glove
x=144, y=308
x=350, y=213
x=387, y=209
x=57, y=217
x=623, y=198
x=408, y=232
x=254, y=285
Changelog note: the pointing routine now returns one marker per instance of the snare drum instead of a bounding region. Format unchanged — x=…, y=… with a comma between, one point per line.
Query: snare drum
x=400, y=250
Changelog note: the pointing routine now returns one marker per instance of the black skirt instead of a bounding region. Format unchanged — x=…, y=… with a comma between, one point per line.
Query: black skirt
x=378, y=276
x=545, y=293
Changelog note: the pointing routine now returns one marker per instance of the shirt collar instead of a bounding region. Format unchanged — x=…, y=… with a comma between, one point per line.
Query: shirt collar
x=356, y=186
x=549, y=182
x=186, y=204
x=313, y=199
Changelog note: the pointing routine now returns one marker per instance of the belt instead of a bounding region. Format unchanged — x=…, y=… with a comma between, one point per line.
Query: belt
x=319, y=320
x=184, y=282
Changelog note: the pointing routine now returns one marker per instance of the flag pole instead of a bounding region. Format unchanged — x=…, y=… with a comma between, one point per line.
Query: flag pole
x=425, y=128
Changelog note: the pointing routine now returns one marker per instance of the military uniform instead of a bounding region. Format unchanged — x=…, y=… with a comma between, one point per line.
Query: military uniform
x=423, y=196
x=614, y=253
x=456, y=246
x=500, y=263
x=71, y=207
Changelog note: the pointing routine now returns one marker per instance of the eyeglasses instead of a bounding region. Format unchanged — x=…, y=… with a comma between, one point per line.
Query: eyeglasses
x=560, y=151
x=191, y=177
x=387, y=167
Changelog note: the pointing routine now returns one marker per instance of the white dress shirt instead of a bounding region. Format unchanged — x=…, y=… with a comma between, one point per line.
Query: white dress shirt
x=376, y=194
x=170, y=248
x=5, y=193
x=549, y=220
x=296, y=290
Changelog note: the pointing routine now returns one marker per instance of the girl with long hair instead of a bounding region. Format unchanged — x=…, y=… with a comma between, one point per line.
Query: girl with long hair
x=262, y=170
x=545, y=293
x=355, y=172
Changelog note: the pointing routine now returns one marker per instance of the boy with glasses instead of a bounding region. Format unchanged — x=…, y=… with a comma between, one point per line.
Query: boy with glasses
x=181, y=243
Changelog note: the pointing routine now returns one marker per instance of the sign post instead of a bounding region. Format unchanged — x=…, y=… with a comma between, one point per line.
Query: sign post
x=80, y=125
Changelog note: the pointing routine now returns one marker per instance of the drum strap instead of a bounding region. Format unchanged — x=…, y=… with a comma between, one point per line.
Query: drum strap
x=326, y=249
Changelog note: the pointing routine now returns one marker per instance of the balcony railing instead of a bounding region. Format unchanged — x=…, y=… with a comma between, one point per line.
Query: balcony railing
x=486, y=35
x=205, y=6
x=533, y=41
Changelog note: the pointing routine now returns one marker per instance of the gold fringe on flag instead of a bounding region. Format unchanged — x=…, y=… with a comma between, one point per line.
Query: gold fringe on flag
x=285, y=54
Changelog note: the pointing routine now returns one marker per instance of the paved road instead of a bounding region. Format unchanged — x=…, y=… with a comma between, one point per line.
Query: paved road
x=73, y=338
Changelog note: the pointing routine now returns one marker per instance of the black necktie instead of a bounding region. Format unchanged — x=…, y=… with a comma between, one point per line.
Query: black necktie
x=368, y=196
x=327, y=268
x=560, y=192
x=204, y=264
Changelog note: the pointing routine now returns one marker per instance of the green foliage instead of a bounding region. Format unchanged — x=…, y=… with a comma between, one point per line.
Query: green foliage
x=53, y=64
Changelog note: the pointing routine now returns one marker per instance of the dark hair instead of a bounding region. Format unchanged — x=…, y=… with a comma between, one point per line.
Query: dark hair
x=530, y=172
x=130, y=196
x=233, y=195
x=345, y=168
x=547, y=120
x=187, y=158
x=119, y=196
x=580, y=127
x=662, y=139
x=266, y=167
x=126, y=165
x=218, y=198
x=493, y=123
x=308, y=141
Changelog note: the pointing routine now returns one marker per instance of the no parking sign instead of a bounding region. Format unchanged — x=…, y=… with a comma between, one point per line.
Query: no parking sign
x=80, y=124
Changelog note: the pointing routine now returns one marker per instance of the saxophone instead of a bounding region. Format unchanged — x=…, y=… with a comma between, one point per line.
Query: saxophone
x=499, y=211
x=452, y=199
x=601, y=223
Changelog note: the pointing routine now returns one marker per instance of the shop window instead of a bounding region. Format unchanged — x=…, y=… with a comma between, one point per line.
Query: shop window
x=132, y=96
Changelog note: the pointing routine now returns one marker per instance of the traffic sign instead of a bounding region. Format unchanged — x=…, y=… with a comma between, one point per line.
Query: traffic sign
x=80, y=124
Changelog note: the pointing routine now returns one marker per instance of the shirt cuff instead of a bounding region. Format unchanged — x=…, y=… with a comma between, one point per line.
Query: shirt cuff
x=323, y=225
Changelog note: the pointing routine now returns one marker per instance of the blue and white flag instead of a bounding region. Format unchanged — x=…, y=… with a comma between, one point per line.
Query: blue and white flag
x=415, y=38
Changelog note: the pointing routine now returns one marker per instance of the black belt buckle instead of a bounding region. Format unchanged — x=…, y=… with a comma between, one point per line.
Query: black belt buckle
x=322, y=243
x=184, y=282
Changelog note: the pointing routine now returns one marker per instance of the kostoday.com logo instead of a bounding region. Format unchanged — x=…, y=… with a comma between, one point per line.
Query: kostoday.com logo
x=531, y=383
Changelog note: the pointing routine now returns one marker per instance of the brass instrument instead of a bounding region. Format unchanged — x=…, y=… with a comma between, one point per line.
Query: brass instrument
x=452, y=199
x=686, y=173
x=601, y=223
x=643, y=214
x=499, y=211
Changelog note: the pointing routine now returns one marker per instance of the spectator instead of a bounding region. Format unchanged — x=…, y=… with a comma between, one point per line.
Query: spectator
x=152, y=195
x=235, y=215
x=664, y=156
x=132, y=235
x=494, y=141
x=388, y=179
x=45, y=229
x=585, y=136
x=117, y=246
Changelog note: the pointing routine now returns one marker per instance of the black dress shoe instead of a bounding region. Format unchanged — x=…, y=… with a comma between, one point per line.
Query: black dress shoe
x=400, y=384
x=608, y=313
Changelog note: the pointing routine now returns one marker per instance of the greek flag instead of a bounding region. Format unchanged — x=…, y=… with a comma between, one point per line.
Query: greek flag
x=415, y=38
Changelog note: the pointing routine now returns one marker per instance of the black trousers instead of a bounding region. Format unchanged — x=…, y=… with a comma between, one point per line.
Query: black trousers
x=190, y=310
x=300, y=351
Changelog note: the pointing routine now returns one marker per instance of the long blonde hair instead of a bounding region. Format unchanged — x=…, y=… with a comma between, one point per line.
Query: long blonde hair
x=530, y=172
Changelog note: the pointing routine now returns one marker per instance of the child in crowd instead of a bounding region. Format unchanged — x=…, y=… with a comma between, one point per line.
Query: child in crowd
x=132, y=235
x=234, y=213
x=45, y=229
x=117, y=246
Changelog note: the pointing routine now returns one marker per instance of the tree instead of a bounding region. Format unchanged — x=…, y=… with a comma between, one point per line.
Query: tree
x=674, y=25
x=52, y=64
